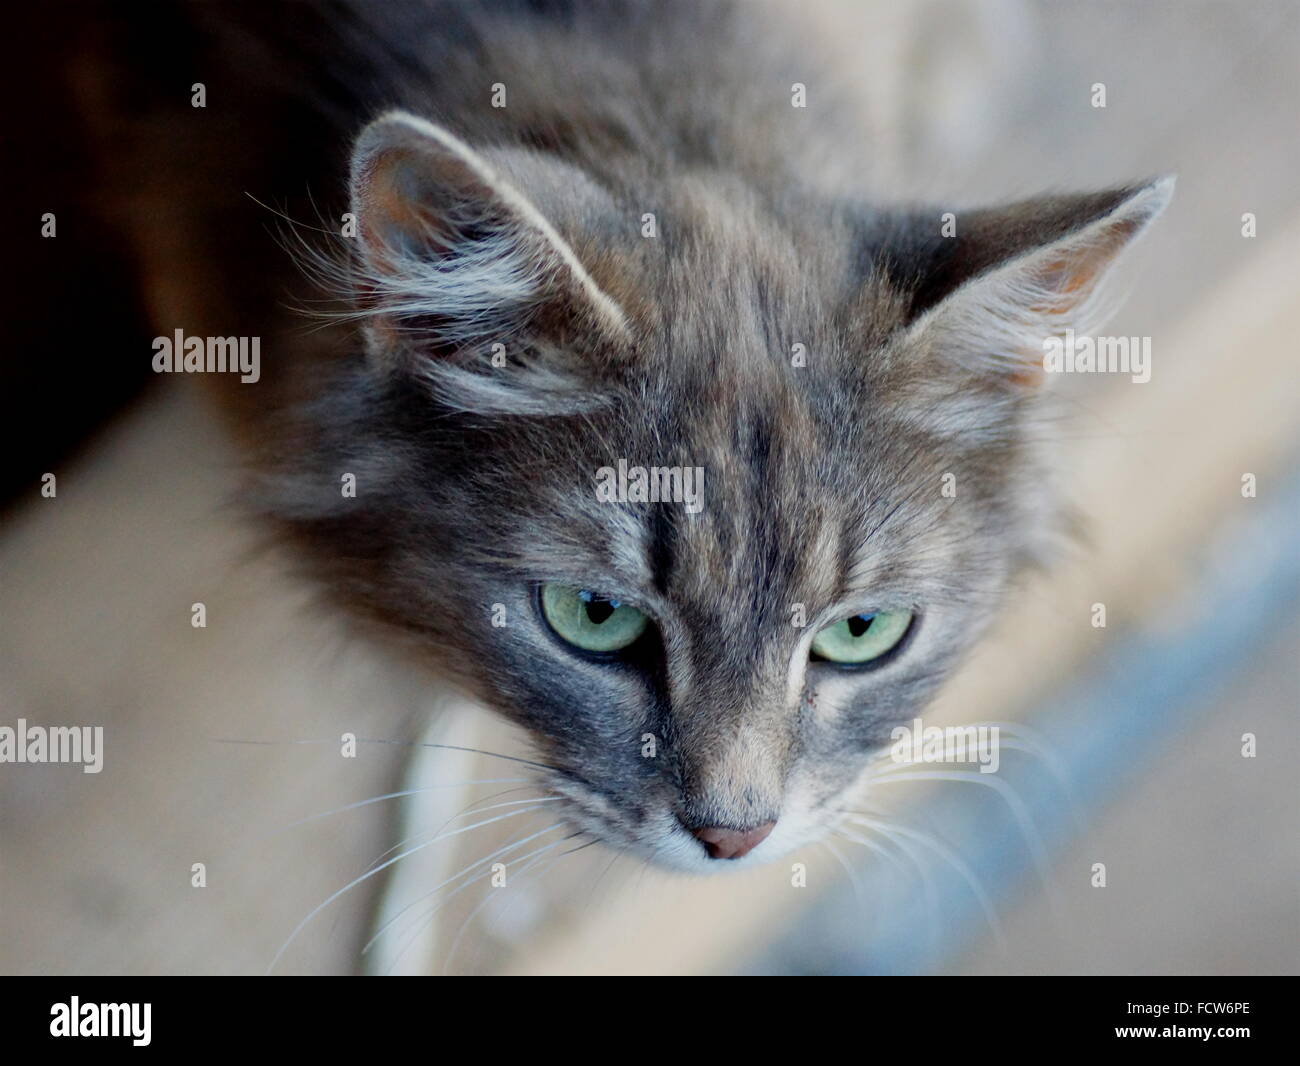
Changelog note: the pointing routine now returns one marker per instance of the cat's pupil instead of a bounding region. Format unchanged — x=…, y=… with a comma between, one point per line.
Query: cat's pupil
x=599, y=610
x=860, y=623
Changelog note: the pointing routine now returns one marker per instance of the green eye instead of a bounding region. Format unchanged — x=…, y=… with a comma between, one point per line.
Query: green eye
x=862, y=638
x=589, y=621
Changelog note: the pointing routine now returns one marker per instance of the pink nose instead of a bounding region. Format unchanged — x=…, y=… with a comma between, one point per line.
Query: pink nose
x=732, y=843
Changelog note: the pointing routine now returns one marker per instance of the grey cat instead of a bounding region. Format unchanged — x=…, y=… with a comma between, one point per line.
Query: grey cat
x=591, y=237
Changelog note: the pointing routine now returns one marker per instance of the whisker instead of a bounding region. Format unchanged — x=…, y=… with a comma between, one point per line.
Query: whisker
x=854, y=880
x=536, y=857
x=645, y=866
x=1034, y=743
x=473, y=808
x=923, y=873
x=398, y=795
x=396, y=743
x=872, y=845
x=953, y=859
x=1009, y=795
x=591, y=895
x=455, y=877
x=371, y=873
x=1026, y=741
x=554, y=860
x=422, y=921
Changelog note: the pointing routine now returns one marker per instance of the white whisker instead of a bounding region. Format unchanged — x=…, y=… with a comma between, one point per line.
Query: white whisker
x=371, y=873
x=923, y=872
x=404, y=792
x=854, y=881
x=1012, y=799
x=473, y=808
x=953, y=859
x=533, y=860
x=455, y=877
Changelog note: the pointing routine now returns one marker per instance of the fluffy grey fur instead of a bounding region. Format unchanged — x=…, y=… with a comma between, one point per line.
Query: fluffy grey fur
x=521, y=226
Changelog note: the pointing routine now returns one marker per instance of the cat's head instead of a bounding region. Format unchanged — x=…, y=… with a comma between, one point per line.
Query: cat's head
x=840, y=405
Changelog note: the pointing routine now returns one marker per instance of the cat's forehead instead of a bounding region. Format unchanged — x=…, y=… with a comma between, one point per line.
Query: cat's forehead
x=719, y=276
x=751, y=501
x=757, y=327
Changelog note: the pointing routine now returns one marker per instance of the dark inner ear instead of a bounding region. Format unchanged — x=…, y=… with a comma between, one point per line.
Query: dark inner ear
x=986, y=238
x=429, y=206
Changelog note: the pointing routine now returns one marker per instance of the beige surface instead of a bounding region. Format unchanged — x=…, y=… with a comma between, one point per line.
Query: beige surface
x=1202, y=858
x=98, y=583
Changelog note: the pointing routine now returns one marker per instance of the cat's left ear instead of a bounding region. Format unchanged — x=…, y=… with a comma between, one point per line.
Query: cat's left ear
x=1010, y=278
x=454, y=258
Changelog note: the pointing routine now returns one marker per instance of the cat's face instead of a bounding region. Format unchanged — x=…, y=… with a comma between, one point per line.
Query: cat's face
x=665, y=659
x=853, y=471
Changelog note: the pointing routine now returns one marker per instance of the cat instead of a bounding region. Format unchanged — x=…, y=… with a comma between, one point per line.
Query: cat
x=589, y=237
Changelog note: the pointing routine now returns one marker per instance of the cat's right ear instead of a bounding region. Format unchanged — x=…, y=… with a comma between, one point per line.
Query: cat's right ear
x=452, y=256
x=1010, y=278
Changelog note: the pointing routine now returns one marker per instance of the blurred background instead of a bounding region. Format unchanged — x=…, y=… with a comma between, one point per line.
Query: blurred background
x=221, y=742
